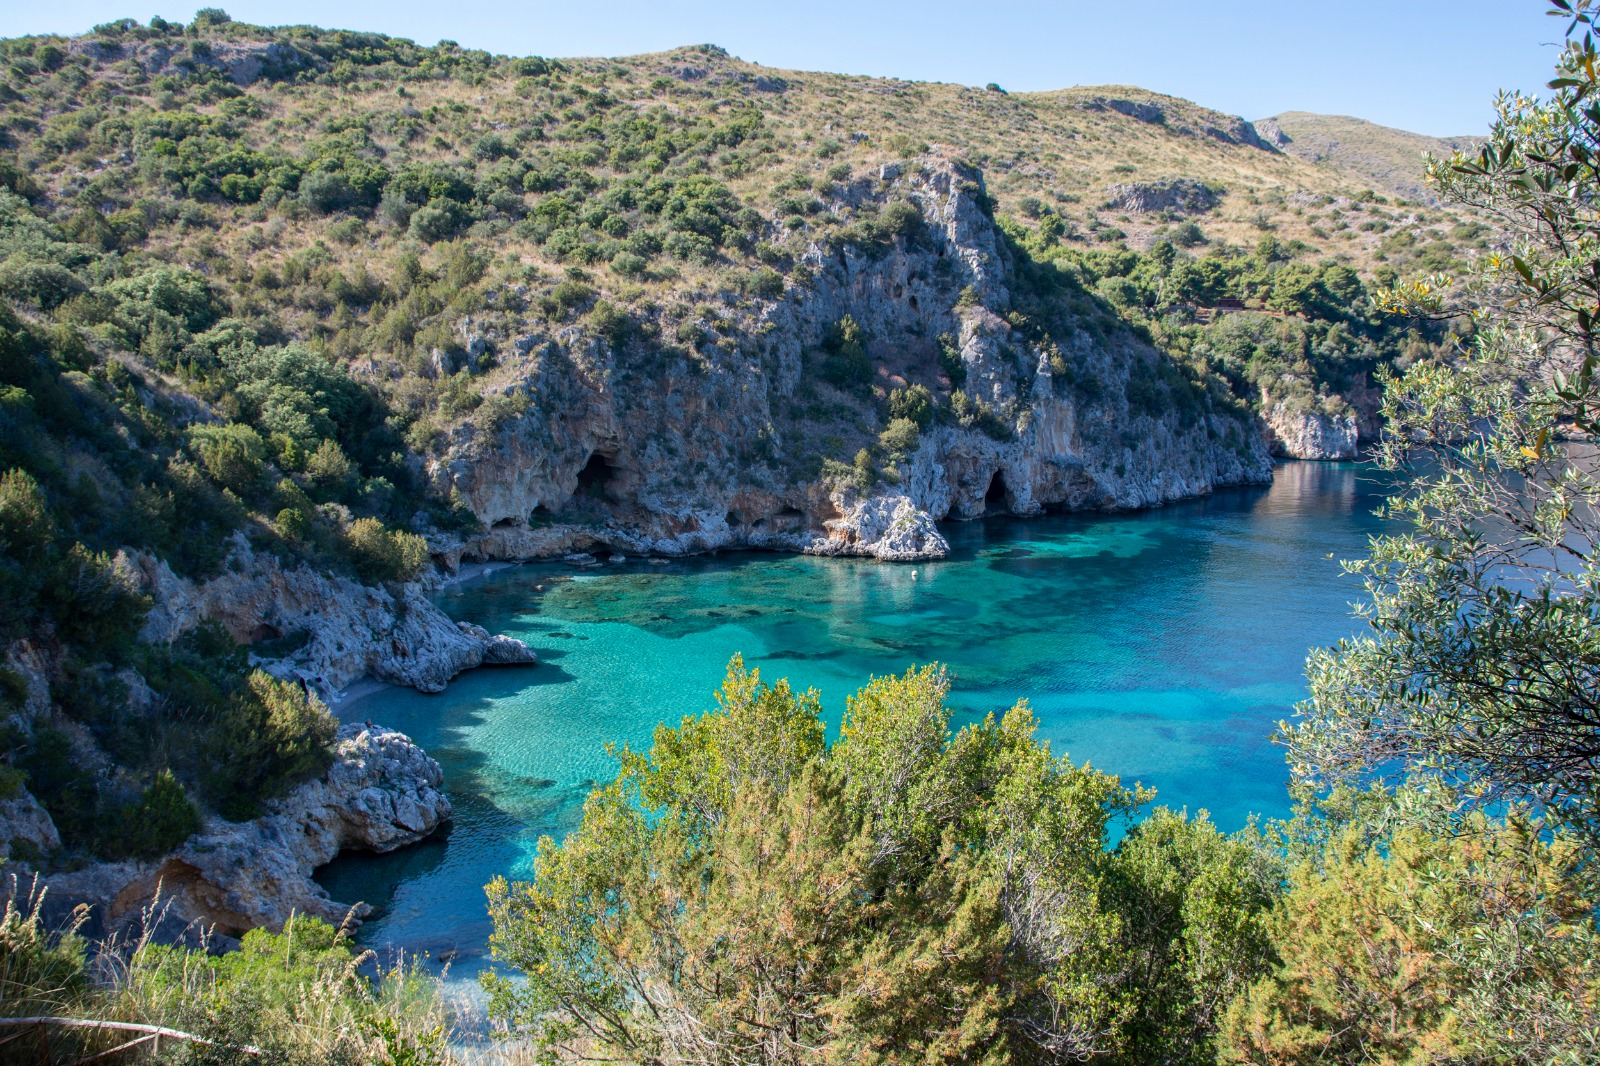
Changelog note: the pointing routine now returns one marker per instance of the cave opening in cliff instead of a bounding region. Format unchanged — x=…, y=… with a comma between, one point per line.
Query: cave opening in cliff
x=598, y=477
x=994, y=500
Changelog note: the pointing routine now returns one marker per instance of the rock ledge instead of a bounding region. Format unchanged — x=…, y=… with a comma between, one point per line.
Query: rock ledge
x=382, y=792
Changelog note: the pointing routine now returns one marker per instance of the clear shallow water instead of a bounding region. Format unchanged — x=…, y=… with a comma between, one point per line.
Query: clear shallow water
x=1162, y=646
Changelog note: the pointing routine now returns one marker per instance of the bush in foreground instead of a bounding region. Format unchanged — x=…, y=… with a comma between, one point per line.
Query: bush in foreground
x=747, y=892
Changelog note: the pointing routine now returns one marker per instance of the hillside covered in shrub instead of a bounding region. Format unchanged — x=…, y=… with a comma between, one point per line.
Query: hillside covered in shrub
x=280, y=287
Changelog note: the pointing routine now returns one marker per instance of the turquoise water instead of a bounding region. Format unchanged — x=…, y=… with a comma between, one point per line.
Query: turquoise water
x=1161, y=646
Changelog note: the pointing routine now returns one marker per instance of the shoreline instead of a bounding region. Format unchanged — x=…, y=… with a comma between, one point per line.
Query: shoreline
x=342, y=702
x=348, y=699
x=466, y=573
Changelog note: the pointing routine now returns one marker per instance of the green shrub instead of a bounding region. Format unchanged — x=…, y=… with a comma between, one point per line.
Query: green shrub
x=570, y=294
x=299, y=995
x=764, y=282
x=325, y=192
x=1187, y=235
x=914, y=403
x=438, y=221
x=159, y=821
x=629, y=264
x=900, y=437
x=26, y=527
x=950, y=361
x=608, y=320
x=866, y=471
x=233, y=455
x=292, y=524
x=47, y=285
x=93, y=602
x=901, y=218
x=272, y=736
x=846, y=364
x=381, y=554
x=691, y=247
x=329, y=471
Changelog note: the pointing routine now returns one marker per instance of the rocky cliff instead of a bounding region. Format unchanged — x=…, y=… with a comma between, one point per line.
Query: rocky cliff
x=1299, y=431
x=382, y=792
x=640, y=445
x=346, y=630
x=1300, y=426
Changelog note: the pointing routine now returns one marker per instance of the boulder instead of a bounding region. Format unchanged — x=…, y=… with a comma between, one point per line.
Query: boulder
x=25, y=826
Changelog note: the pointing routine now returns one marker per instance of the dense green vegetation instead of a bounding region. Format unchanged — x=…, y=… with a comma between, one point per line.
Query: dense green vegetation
x=748, y=892
x=240, y=270
x=1314, y=333
x=234, y=312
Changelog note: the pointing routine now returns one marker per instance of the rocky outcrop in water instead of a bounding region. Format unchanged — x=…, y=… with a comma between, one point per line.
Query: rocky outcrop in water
x=641, y=447
x=382, y=792
x=347, y=630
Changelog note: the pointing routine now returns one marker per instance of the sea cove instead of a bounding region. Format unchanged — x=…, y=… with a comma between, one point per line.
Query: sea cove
x=1160, y=645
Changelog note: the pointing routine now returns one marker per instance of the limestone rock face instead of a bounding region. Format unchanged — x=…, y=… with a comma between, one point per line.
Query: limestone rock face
x=1298, y=432
x=652, y=449
x=24, y=822
x=892, y=528
x=499, y=650
x=382, y=792
x=1181, y=195
x=350, y=630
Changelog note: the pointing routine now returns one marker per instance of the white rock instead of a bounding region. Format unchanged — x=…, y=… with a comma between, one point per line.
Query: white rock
x=352, y=630
x=382, y=792
x=1302, y=432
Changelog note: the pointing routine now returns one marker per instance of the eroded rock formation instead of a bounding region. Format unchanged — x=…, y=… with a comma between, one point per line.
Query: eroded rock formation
x=636, y=449
x=349, y=630
x=382, y=792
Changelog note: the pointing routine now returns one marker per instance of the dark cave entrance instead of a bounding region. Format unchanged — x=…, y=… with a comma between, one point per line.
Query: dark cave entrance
x=264, y=632
x=598, y=477
x=994, y=500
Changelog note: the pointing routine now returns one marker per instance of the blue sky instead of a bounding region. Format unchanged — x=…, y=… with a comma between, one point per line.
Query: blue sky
x=1425, y=65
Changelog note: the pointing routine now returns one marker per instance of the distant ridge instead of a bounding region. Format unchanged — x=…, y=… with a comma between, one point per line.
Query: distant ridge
x=1389, y=159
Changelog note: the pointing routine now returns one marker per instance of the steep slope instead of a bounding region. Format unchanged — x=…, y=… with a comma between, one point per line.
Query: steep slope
x=718, y=449
x=294, y=321
x=1386, y=159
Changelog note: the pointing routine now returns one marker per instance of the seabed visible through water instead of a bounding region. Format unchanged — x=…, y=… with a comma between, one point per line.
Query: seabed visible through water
x=1162, y=646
